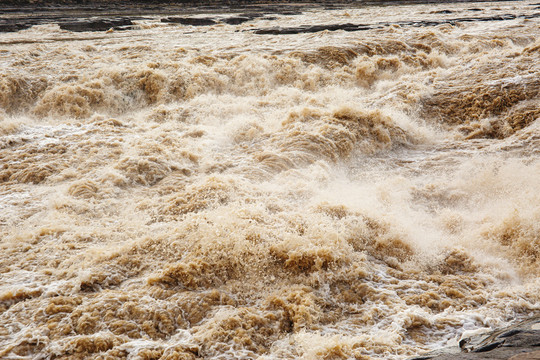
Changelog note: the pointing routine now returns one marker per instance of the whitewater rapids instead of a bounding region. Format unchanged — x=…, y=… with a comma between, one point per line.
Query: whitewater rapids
x=182, y=192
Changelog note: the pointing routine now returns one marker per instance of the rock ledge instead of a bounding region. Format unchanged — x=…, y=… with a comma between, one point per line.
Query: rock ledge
x=520, y=341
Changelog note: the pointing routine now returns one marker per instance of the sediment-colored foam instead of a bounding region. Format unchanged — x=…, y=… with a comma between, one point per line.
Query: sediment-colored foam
x=173, y=192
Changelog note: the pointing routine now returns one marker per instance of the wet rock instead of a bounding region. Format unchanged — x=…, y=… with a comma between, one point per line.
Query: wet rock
x=517, y=342
x=13, y=27
x=443, y=12
x=252, y=15
x=242, y=18
x=311, y=29
x=96, y=25
x=14, y=23
x=82, y=22
x=360, y=27
x=237, y=20
x=289, y=12
x=190, y=21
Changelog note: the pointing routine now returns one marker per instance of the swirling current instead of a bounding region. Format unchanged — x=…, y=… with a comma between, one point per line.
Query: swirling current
x=245, y=191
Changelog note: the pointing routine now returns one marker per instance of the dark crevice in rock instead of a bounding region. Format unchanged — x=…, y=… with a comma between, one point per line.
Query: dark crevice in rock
x=443, y=12
x=488, y=347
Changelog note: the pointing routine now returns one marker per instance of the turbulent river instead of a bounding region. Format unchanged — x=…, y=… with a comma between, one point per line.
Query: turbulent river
x=217, y=192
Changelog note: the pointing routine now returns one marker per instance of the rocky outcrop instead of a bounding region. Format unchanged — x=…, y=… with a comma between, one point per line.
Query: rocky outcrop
x=102, y=16
x=311, y=29
x=360, y=27
x=190, y=21
x=517, y=342
x=119, y=16
x=236, y=20
x=97, y=25
x=13, y=27
x=242, y=18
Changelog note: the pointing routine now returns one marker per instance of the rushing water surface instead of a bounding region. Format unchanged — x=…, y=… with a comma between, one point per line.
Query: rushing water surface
x=182, y=192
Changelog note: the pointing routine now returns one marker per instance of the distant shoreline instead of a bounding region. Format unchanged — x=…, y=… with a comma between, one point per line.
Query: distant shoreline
x=102, y=15
x=211, y=3
x=40, y=8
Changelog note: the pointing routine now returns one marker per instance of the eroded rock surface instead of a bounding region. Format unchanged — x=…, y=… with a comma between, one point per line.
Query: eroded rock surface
x=359, y=27
x=516, y=342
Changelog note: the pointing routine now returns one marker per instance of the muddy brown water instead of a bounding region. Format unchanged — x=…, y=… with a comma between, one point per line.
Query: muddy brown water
x=180, y=192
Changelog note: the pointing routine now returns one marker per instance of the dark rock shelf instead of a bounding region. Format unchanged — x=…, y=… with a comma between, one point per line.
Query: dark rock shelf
x=190, y=21
x=360, y=27
x=97, y=25
x=119, y=15
x=311, y=29
x=516, y=342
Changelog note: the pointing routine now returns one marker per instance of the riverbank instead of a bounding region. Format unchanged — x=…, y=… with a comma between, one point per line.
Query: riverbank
x=98, y=16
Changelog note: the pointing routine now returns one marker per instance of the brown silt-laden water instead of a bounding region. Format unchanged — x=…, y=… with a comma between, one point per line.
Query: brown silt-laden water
x=339, y=183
